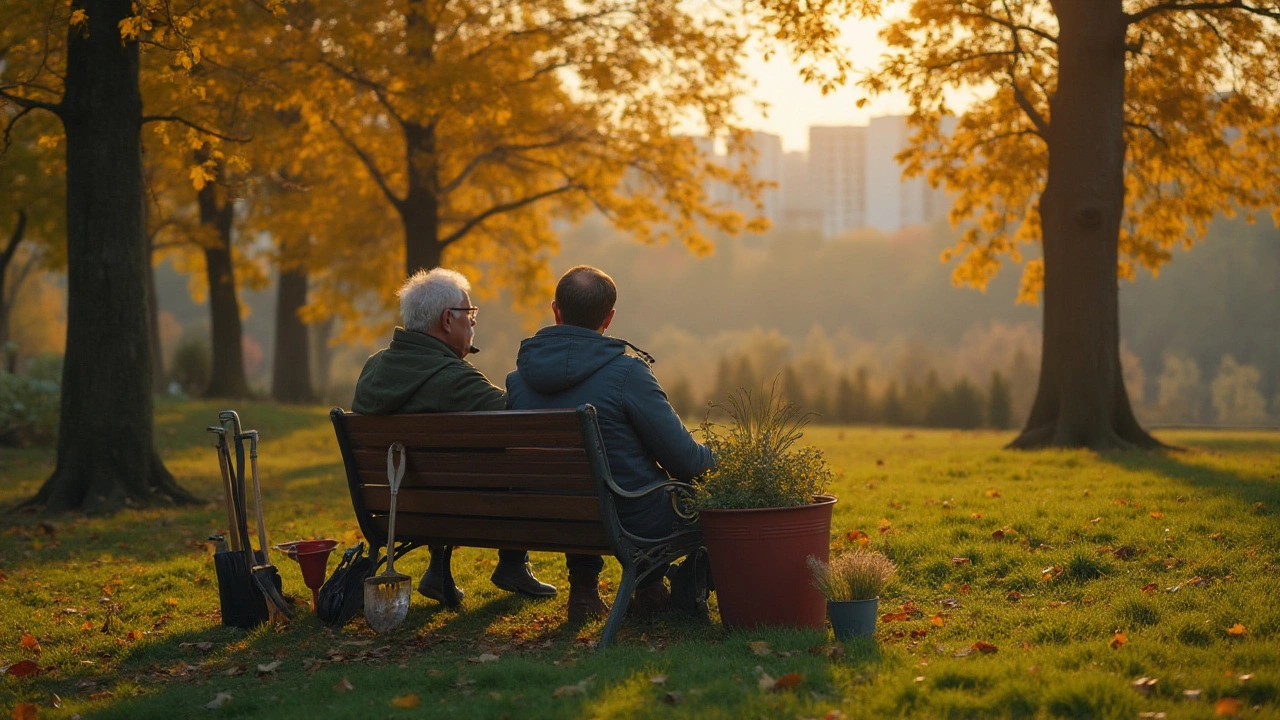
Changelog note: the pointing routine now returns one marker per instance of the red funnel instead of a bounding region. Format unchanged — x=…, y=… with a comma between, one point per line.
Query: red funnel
x=313, y=557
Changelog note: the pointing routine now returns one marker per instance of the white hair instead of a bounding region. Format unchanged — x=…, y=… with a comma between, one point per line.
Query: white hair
x=427, y=294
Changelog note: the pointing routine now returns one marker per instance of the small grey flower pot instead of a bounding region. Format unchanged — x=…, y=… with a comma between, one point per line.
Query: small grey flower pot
x=853, y=618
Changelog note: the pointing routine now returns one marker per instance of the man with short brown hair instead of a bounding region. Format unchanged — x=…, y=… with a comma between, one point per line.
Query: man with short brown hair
x=573, y=363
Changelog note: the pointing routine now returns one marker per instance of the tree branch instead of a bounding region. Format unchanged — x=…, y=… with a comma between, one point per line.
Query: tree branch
x=369, y=165
x=1133, y=18
x=1023, y=102
x=29, y=104
x=498, y=153
x=14, y=240
x=967, y=58
x=1143, y=126
x=175, y=118
x=1042, y=126
x=469, y=225
x=1016, y=27
x=379, y=91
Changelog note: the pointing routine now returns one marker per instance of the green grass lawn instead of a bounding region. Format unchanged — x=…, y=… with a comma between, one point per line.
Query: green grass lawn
x=1051, y=557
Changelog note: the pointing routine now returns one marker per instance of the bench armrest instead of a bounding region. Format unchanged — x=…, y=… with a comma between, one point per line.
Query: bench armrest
x=682, y=494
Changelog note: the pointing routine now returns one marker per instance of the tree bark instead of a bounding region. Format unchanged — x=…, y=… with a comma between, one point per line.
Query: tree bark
x=6, y=306
x=226, y=377
x=322, y=354
x=291, y=376
x=159, y=379
x=1081, y=400
x=420, y=210
x=106, y=455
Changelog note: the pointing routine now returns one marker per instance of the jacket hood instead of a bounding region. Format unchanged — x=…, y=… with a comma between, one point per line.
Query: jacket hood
x=395, y=374
x=562, y=356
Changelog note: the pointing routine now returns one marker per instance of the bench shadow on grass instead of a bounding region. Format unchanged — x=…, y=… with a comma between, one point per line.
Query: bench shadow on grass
x=178, y=678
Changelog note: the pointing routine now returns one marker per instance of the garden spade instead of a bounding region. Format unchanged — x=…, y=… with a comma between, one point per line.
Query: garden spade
x=240, y=603
x=265, y=576
x=386, y=596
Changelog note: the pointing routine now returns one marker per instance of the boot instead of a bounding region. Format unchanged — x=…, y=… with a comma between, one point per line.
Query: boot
x=518, y=578
x=651, y=599
x=690, y=581
x=584, y=597
x=432, y=583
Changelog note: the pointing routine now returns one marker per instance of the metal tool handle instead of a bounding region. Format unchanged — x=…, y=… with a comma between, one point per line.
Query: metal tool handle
x=221, y=448
x=395, y=473
x=252, y=436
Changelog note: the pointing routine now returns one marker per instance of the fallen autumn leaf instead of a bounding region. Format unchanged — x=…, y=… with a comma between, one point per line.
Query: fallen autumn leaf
x=406, y=702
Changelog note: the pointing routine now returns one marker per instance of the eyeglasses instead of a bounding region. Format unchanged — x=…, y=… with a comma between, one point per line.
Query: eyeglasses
x=470, y=311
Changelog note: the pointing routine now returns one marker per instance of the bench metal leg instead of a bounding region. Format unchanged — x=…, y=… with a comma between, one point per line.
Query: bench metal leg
x=620, y=602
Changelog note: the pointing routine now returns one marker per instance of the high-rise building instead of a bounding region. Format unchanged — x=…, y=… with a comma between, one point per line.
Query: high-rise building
x=801, y=206
x=837, y=165
x=766, y=166
x=894, y=202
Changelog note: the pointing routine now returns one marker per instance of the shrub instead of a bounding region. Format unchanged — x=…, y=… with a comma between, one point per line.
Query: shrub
x=28, y=410
x=191, y=365
x=756, y=465
x=859, y=575
x=45, y=366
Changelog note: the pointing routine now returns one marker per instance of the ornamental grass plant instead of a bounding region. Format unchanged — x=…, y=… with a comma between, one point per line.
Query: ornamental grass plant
x=757, y=463
x=858, y=575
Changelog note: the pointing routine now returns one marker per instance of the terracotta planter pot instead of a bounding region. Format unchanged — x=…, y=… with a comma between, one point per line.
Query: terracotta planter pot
x=758, y=562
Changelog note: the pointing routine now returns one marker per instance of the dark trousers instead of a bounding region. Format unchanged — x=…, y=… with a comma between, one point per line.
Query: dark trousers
x=591, y=565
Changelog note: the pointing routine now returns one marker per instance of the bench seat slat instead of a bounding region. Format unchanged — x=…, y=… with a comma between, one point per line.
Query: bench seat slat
x=553, y=536
x=485, y=504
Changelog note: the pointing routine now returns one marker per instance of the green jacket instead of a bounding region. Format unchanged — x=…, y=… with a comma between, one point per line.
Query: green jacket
x=420, y=374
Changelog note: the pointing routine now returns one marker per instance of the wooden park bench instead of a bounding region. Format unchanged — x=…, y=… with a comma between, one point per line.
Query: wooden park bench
x=516, y=479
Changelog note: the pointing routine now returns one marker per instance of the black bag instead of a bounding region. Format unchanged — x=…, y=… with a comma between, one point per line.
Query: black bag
x=342, y=595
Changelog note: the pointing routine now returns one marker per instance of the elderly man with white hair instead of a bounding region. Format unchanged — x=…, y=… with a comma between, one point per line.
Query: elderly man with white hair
x=424, y=370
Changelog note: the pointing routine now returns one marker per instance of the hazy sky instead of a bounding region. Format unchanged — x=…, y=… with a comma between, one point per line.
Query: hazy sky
x=795, y=105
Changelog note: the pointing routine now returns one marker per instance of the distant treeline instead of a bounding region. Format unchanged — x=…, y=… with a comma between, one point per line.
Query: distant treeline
x=852, y=399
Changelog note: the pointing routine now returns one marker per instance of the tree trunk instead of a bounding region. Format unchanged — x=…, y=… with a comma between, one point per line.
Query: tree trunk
x=106, y=455
x=291, y=376
x=1081, y=400
x=226, y=377
x=322, y=354
x=6, y=302
x=159, y=379
x=420, y=210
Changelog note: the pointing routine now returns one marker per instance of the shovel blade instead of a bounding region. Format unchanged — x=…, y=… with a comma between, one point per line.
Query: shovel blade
x=386, y=602
x=240, y=600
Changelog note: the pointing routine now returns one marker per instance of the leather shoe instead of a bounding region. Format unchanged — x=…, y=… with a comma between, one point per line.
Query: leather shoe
x=432, y=586
x=518, y=578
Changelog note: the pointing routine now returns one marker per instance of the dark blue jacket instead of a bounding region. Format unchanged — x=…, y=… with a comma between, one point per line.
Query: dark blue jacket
x=565, y=366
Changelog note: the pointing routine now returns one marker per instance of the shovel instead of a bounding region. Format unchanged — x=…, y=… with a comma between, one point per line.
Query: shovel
x=240, y=604
x=386, y=596
x=265, y=576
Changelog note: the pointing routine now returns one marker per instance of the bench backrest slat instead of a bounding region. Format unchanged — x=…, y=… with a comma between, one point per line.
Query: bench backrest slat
x=484, y=504
x=518, y=479
x=512, y=428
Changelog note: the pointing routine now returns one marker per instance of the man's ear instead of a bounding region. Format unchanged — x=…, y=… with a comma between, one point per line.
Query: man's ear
x=608, y=319
x=446, y=320
x=555, y=310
